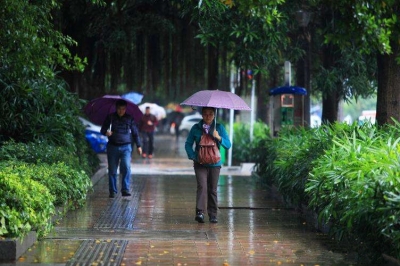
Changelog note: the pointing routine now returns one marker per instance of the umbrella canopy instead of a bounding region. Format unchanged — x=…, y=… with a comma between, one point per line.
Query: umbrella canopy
x=134, y=97
x=288, y=90
x=216, y=99
x=98, y=109
x=155, y=109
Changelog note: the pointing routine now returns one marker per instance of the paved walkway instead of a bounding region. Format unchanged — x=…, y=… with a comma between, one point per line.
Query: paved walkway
x=155, y=226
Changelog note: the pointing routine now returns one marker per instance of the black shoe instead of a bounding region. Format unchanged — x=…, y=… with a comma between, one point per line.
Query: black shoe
x=199, y=217
x=126, y=194
x=213, y=219
x=112, y=195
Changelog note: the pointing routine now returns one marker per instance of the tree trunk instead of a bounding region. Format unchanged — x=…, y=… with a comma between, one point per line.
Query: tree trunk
x=149, y=68
x=189, y=54
x=262, y=97
x=154, y=62
x=174, y=66
x=114, y=71
x=271, y=82
x=225, y=67
x=330, y=97
x=200, y=67
x=303, y=76
x=140, y=61
x=167, y=59
x=388, y=100
x=99, y=69
x=129, y=67
x=330, y=107
x=212, y=68
x=182, y=51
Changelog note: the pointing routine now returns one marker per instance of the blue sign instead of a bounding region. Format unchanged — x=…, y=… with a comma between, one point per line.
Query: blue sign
x=288, y=90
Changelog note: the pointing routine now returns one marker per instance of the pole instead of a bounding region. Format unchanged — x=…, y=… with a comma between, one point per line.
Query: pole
x=252, y=115
x=231, y=117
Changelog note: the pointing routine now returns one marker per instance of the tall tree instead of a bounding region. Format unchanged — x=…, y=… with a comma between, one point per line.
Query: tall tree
x=371, y=27
x=34, y=104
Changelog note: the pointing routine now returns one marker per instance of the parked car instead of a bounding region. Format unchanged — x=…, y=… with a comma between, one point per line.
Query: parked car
x=97, y=141
x=187, y=123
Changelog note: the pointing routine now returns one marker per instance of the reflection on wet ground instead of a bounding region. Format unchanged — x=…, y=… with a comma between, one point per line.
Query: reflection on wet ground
x=155, y=226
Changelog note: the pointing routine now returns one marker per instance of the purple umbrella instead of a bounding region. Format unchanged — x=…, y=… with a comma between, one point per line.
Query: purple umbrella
x=216, y=99
x=98, y=109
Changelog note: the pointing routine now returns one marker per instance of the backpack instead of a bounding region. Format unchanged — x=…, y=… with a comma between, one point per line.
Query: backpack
x=208, y=151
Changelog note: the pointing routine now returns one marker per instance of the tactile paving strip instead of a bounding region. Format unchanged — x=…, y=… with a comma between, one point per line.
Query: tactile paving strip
x=99, y=252
x=122, y=212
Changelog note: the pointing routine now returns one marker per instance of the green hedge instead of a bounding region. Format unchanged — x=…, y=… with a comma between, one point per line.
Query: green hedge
x=348, y=174
x=30, y=192
x=46, y=160
x=36, y=177
x=244, y=150
x=44, y=152
x=25, y=205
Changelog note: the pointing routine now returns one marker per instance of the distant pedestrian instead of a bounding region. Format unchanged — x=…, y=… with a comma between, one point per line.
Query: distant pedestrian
x=147, y=127
x=207, y=176
x=122, y=133
x=178, y=117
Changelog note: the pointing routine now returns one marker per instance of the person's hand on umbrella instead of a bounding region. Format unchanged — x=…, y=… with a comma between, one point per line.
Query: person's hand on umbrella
x=216, y=135
x=108, y=133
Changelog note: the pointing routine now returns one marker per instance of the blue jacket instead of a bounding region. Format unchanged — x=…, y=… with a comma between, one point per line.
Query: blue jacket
x=124, y=130
x=194, y=138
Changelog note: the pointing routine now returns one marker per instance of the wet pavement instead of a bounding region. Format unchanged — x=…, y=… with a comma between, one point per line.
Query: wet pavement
x=156, y=226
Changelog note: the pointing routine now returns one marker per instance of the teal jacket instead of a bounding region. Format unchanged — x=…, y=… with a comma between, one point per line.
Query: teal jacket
x=194, y=138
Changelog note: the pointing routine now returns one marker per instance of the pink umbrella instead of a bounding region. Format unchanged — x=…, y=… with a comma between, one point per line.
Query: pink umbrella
x=98, y=109
x=216, y=99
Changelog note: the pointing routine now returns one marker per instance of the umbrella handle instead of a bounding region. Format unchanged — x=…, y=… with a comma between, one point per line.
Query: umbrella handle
x=215, y=118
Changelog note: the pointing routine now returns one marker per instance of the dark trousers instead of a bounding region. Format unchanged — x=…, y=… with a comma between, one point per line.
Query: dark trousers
x=148, y=142
x=207, y=183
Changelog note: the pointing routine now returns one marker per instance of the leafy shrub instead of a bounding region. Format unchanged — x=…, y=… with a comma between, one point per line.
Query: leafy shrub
x=244, y=150
x=64, y=183
x=348, y=174
x=356, y=187
x=296, y=150
x=42, y=151
x=77, y=182
x=43, y=112
x=29, y=193
x=25, y=205
x=264, y=157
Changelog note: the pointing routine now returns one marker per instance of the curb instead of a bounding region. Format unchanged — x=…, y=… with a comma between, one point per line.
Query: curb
x=12, y=248
x=99, y=174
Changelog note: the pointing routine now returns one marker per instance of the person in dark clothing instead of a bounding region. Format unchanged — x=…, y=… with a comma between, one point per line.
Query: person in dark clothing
x=122, y=133
x=147, y=127
x=178, y=117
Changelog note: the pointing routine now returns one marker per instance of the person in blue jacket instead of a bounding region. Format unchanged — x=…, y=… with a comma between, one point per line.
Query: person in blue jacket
x=122, y=133
x=207, y=175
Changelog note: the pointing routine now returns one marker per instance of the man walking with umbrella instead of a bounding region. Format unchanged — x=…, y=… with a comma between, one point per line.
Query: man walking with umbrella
x=122, y=133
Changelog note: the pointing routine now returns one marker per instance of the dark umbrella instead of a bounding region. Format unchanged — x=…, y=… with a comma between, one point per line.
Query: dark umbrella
x=98, y=109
